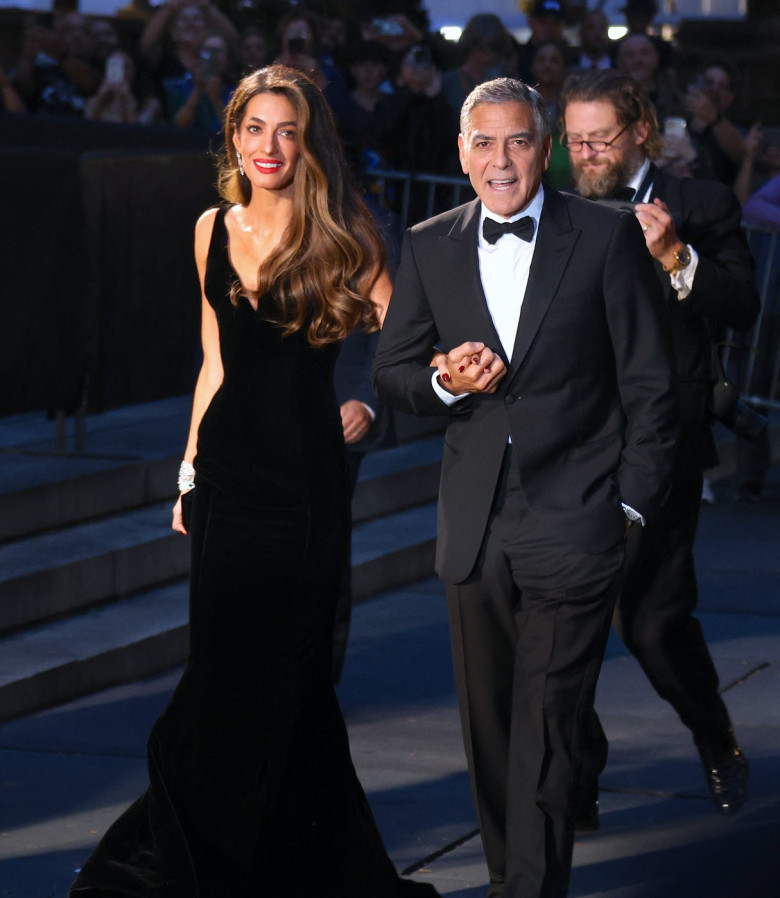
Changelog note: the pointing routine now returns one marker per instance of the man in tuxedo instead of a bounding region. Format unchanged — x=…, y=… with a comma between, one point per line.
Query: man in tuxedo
x=693, y=235
x=543, y=320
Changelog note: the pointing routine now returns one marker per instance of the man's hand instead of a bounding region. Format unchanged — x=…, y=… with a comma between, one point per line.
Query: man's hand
x=470, y=368
x=660, y=233
x=355, y=420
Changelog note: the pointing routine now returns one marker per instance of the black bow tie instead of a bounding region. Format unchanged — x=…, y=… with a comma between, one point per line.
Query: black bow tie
x=522, y=228
x=623, y=194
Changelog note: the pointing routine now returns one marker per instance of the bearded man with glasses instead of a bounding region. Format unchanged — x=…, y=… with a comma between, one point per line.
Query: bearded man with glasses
x=693, y=232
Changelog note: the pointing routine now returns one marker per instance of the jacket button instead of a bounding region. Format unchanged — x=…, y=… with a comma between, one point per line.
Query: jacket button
x=509, y=398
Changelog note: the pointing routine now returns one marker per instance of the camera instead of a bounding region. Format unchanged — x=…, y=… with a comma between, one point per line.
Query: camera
x=740, y=418
x=207, y=64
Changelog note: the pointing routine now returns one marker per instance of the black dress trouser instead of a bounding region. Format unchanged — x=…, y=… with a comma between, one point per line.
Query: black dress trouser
x=529, y=628
x=654, y=618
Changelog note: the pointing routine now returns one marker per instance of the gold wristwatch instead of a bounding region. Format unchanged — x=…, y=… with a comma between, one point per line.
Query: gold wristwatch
x=682, y=259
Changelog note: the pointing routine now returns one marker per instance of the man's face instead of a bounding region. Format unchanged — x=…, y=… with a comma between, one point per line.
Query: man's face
x=368, y=73
x=594, y=32
x=545, y=28
x=504, y=156
x=637, y=57
x=598, y=173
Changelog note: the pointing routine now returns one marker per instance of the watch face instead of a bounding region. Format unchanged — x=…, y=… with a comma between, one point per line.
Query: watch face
x=683, y=257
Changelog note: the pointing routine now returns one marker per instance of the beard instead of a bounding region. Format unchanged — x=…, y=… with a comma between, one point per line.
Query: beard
x=601, y=183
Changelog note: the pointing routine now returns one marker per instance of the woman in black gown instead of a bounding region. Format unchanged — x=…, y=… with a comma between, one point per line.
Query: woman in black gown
x=252, y=790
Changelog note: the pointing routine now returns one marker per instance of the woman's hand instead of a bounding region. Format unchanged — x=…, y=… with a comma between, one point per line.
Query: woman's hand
x=469, y=368
x=178, y=520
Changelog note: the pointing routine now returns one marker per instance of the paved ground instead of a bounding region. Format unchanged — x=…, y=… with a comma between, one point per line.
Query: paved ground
x=66, y=773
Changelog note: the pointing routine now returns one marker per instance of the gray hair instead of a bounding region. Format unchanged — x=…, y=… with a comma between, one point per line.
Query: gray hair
x=505, y=90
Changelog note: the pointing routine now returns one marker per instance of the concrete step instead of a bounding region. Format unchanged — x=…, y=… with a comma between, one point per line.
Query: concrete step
x=75, y=656
x=132, y=458
x=129, y=459
x=58, y=572
x=53, y=574
x=147, y=632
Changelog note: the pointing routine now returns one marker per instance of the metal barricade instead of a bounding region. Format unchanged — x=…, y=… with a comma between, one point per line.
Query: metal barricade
x=752, y=359
x=414, y=197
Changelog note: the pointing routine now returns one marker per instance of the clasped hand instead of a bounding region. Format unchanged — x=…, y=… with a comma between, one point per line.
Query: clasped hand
x=470, y=368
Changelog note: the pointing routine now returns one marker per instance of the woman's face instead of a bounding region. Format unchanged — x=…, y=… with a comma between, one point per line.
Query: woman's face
x=267, y=139
x=190, y=25
x=549, y=66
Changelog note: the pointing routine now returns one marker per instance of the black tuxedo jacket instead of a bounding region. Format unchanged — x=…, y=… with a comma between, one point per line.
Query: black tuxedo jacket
x=707, y=216
x=587, y=398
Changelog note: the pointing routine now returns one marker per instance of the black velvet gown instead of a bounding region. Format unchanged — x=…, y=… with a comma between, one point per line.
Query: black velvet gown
x=252, y=789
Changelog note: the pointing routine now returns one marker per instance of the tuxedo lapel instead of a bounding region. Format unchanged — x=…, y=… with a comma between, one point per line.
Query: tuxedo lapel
x=555, y=243
x=460, y=270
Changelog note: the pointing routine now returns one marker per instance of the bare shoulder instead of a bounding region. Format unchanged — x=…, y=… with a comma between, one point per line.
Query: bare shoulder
x=205, y=224
x=203, y=230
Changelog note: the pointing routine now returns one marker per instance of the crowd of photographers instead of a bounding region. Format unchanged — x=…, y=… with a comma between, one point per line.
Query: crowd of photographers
x=395, y=88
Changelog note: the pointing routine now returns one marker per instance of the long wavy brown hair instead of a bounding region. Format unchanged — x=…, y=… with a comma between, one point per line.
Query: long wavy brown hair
x=321, y=275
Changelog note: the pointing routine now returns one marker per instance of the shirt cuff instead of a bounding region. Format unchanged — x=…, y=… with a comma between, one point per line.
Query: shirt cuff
x=682, y=280
x=632, y=514
x=446, y=397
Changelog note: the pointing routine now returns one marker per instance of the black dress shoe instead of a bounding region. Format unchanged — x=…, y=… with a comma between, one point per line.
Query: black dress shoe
x=727, y=774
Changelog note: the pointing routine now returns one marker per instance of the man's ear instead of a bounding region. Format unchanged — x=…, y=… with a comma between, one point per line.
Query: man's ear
x=464, y=163
x=641, y=130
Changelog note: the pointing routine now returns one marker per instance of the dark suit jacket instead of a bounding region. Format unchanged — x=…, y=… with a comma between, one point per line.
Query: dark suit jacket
x=707, y=216
x=587, y=399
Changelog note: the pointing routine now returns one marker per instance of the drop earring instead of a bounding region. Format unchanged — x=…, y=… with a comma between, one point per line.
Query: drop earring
x=240, y=164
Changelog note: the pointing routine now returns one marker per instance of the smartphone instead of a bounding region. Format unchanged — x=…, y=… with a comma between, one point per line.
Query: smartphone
x=676, y=127
x=296, y=45
x=386, y=27
x=207, y=63
x=115, y=69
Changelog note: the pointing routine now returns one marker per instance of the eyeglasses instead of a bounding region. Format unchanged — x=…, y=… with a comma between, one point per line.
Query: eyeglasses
x=595, y=146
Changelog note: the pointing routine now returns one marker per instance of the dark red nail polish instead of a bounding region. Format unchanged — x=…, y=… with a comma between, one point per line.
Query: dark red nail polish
x=446, y=378
x=461, y=369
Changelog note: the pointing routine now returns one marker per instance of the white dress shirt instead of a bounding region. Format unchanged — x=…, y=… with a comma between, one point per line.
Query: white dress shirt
x=503, y=269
